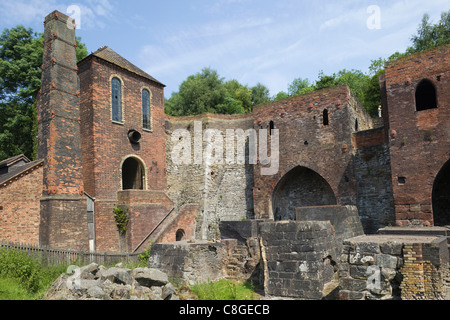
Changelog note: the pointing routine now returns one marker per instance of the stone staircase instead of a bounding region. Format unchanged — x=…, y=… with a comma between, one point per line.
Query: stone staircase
x=236, y=262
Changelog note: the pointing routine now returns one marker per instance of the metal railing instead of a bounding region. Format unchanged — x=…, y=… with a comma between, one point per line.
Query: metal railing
x=60, y=257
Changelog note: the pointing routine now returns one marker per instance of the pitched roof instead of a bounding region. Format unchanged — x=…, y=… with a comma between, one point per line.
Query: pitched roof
x=107, y=54
x=5, y=179
x=11, y=161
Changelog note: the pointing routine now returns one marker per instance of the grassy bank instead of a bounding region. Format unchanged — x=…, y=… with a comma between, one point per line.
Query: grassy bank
x=23, y=278
x=225, y=290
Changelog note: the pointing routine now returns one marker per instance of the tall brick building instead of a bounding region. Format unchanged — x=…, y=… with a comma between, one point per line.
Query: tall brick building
x=105, y=143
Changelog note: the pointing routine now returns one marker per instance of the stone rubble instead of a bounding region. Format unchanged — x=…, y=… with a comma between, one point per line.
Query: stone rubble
x=96, y=282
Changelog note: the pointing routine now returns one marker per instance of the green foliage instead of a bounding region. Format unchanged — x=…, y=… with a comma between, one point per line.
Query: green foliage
x=20, y=79
x=431, y=35
x=206, y=91
x=143, y=257
x=225, y=290
x=280, y=96
x=260, y=94
x=24, y=278
x=121, y=217
x=17, y=265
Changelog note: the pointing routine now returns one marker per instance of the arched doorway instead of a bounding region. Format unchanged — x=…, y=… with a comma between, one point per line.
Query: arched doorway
x=133, y=174
x=300, y=187
x=441, y=196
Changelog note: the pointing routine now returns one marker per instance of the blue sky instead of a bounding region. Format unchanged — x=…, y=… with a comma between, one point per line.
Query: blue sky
x=272, y=42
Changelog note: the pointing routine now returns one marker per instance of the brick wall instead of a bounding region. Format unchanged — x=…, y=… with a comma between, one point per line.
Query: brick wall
x=305, y=141
x=20, y=211
x=393, y=268
x=419, y=143
x=105, y=145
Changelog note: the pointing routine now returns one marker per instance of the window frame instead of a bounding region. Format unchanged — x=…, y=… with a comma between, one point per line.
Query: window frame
x=121, y=100
x=150, y=120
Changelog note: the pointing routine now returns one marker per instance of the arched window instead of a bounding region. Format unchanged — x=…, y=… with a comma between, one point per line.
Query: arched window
x=425, y=95
x=146, y=115
x=271, y=127
x=116, y=99
x=179, y=235
x=326, y=120
x=133, y=174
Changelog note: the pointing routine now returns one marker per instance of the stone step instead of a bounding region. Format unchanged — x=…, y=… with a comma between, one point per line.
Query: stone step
x=419, y=231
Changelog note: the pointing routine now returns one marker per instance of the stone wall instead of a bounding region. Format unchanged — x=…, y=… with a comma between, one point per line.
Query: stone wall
x=299, y=258
x=393, y=267
x=373, y=180
x=222, y=191
x=344, y=220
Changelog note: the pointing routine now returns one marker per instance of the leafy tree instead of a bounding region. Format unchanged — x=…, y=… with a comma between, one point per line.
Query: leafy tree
x=20, y=79
x=260, y=94
x=281, y=95
x=431, y=35
x=240, y=93
x=199, y=93
x=325, y=81
x=206, y=91
x=300, y=86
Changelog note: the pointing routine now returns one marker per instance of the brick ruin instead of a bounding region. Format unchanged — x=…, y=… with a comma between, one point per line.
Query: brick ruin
x=358, y=208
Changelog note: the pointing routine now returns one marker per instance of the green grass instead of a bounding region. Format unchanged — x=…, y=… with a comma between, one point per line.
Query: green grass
x=12, y=289
x=225, y=290
x=23, y=278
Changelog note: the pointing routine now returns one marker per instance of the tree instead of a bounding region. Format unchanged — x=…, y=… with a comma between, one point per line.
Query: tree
x=20, y=79
x=280, y=96
x=300, y=86
x=325, y=81
x=199, y=93
x=241, y=94
x=431, y=35
x=260, y=94
x=206, y=91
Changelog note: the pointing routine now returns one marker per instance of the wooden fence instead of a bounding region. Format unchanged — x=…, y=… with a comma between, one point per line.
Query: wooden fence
x=61, y=257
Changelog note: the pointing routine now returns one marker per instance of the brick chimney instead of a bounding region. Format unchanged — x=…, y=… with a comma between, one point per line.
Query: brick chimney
x=63, y=206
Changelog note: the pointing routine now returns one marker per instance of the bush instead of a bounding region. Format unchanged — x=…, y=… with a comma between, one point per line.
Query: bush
x=18, y=265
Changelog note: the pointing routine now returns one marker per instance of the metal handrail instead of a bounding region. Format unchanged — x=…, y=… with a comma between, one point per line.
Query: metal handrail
x=151, y=232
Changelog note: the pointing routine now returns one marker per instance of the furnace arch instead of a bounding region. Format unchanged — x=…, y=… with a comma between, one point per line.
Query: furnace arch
x=441, y=196
x=300, y=187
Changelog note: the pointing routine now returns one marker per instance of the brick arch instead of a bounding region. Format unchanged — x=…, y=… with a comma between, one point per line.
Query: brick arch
x=124, y=171
x=441, y=196
x=300, y=187
x=425, y=95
